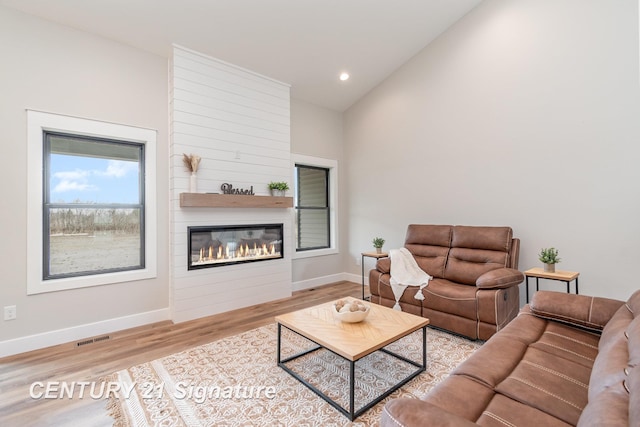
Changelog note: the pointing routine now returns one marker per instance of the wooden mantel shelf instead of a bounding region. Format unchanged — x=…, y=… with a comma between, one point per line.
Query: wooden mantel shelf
x=204, y=200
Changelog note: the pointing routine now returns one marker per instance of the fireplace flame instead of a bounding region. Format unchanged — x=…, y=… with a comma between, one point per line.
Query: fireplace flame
x=243, y=251
x=236, y=251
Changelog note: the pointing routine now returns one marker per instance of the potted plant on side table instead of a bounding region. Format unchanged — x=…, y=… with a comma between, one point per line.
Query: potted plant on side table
x=549, y=257
x=378, y=243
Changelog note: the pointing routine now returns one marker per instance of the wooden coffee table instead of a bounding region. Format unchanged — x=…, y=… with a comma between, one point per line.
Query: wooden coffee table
x=352, y=341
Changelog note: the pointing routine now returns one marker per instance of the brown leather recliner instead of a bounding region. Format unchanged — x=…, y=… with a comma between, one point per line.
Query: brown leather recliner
x=474, y=291
x=566, y=360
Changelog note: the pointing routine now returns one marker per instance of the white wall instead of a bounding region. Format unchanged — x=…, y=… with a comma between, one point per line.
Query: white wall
x=56, y=69
x=525, y=113
x=238, y=123
x=317, y=131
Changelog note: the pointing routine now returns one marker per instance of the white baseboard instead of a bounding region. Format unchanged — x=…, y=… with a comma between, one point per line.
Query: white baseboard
x=324, y=280
x=62, y=336
x=356, y=278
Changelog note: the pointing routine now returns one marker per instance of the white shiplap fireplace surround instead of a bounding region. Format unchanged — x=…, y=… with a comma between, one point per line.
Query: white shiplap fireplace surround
x=238, y=122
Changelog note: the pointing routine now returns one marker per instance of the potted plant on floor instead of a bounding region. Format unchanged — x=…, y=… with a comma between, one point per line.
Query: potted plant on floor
x=378, y=243
x=278, y=188
x=549, y=256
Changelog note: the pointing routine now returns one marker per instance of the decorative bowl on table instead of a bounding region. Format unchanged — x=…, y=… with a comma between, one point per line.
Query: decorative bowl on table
x=350, y=310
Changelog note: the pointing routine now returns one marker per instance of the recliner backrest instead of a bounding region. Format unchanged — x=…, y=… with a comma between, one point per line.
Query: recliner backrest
x=429, y=245
x=461, y=253
x=477, y=250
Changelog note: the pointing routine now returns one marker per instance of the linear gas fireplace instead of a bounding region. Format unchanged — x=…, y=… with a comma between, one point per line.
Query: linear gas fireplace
x=214, y=246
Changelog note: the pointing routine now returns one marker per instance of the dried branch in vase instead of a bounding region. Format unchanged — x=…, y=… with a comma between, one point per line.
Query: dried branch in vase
x=191, y=162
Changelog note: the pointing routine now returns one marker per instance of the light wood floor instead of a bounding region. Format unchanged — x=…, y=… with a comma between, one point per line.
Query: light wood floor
x=68, y=362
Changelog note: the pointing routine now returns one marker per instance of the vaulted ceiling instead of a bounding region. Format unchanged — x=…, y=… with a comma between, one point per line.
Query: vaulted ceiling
x=306, y=43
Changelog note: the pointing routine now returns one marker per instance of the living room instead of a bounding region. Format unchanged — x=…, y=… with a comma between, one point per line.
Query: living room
x=524, y=113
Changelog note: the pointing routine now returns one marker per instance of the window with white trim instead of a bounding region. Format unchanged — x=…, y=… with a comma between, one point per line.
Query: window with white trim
x=315, y=199
x=91, y=209
x=313, y=223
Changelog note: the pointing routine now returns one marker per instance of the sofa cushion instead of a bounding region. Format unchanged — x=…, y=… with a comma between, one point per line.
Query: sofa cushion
x=406, y=411
x=429, y=234
x=491, y=238
x=550, y=383
x=467, y=265
x=579, y=310
x=569, y=343
x=503, y=411
x=504, y=355
x=448, y=297
x=429, y=245
x=430, y=259
x=460, y=395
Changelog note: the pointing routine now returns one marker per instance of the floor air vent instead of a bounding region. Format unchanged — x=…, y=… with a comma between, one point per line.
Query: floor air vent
x=92, y=340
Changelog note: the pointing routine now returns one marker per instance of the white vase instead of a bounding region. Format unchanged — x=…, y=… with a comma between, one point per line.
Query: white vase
x=193, y=183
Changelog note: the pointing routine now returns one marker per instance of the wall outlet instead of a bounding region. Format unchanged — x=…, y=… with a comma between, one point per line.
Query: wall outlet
x=10, y=312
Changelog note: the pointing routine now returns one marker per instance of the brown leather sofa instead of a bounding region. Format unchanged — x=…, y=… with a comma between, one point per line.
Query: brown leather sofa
x=566, y=360
x=474, y=291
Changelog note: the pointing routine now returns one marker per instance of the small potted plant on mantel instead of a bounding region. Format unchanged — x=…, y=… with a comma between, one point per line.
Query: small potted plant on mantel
x=278, y=188
x=378, y=243
x=549, y=256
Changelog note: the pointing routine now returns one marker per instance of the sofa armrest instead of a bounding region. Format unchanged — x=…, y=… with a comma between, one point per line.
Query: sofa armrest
x=578, y=310
x=500, y=278
x=404, y=412
x=383, y=265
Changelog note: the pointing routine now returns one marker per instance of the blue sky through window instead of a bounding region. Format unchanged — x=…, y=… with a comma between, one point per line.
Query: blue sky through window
x=93, y=180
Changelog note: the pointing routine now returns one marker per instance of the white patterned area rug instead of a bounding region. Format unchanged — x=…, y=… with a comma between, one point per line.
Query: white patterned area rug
x=236, y=381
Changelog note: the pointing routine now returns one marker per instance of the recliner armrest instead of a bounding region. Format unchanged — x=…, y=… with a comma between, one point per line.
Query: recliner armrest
x=577, y=310
x=383, y=265
x=500, y=278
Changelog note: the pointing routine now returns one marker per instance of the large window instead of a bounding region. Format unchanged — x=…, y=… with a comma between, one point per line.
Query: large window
x=91, y=204
x=312, y=208
x=315, y=203
x=93, y=208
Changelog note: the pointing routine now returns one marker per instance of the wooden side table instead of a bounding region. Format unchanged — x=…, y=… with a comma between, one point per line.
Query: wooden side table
x=375, y=255
x=539, y=273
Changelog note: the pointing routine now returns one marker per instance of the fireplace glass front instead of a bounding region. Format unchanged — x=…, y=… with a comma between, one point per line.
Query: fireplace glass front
x=214, y=246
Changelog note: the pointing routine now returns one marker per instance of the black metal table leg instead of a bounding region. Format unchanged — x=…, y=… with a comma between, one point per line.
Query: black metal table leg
x=352, y=391
x=362, y=263
x=279, y=341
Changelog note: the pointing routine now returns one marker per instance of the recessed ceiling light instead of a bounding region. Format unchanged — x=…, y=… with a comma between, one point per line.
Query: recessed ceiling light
x=344, y=76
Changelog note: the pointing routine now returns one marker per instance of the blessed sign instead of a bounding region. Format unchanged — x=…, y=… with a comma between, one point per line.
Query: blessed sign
x=228, y=189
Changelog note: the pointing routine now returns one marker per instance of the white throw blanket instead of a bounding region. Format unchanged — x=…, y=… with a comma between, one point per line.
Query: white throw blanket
x=405, y=272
